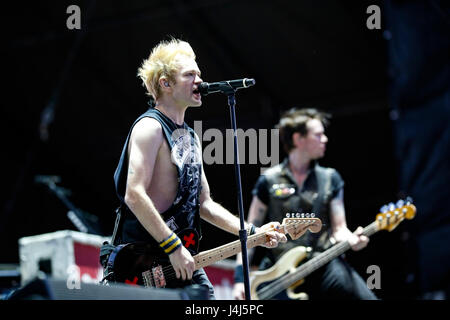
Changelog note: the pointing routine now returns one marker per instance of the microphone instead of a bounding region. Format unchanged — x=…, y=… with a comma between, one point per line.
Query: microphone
x=228, y=86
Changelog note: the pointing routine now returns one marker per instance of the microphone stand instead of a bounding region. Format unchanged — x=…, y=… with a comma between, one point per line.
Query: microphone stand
x=242, y=232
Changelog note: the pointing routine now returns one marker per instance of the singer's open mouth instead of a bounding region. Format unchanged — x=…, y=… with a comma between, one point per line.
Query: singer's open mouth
x=196, y=94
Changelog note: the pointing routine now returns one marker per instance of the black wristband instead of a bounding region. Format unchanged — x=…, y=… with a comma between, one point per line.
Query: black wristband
x=251, y=230
x=239, y=273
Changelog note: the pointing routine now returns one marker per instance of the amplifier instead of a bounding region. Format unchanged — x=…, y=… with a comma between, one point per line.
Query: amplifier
x=61, y=255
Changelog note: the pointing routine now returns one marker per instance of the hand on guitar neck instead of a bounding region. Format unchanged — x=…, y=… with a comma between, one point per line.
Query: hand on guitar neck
x=357, y=239
x=273, y=236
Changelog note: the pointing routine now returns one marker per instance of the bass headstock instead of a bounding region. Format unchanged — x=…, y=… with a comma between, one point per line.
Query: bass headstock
x=392, y=214
x=296, y=224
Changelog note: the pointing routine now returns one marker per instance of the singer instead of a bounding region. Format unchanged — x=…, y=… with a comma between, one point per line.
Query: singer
x=159, y=179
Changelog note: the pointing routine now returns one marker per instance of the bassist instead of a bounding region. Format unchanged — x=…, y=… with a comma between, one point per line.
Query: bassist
x=300, y=184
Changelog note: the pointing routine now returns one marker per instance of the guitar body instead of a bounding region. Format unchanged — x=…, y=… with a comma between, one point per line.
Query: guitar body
x=139, y=263
x=286, y=264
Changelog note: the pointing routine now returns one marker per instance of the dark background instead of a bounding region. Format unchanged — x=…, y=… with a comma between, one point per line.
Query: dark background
x=387, y=89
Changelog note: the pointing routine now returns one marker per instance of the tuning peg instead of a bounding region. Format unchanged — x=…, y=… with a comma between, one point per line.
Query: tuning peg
x=313, y=214
x=288, y=215
x=400, y=203
x=409, y=200
x=391, y=206
x=384, y=209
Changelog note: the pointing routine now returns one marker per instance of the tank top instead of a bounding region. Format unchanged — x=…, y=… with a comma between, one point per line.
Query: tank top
x=186, y=155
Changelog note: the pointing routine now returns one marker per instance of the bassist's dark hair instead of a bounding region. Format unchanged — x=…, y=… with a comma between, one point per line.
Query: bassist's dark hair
x=295, y=120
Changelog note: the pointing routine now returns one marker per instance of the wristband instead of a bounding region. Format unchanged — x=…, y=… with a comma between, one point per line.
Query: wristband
x=170, y=244
x=251, y=230
x=239, y=273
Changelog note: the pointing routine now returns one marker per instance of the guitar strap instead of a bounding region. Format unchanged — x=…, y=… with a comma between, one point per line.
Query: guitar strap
x=116, y=224
x=107, y=248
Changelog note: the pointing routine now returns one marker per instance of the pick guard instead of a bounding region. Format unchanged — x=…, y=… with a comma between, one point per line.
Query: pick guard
x=286, y=264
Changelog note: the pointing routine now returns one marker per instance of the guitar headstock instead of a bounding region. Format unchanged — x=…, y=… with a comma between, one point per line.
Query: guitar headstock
x=296, y=224
x=392, y=214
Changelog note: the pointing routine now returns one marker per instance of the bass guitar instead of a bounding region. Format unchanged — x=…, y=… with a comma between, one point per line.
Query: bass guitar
x=287, y=273
x=138, y=263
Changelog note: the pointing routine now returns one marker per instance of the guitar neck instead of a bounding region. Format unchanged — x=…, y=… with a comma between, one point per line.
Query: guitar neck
x=307, y=268
x=206, y=258
x=209, y=257
x=332, y=253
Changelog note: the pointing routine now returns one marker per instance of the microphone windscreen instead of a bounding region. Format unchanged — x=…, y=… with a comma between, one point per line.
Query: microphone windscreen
x=203, y=88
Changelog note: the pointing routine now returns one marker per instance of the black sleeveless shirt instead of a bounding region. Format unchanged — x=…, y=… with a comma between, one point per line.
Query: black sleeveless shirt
x=186, y=155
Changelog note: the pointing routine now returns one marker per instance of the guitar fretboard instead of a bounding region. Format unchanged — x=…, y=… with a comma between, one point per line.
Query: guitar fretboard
x=209, y=257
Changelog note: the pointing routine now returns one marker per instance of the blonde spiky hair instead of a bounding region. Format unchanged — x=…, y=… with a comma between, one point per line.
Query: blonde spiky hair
x=163, y=63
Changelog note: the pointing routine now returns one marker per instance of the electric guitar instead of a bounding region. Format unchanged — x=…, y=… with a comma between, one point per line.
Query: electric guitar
x=138, y=263
x=286, y=274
